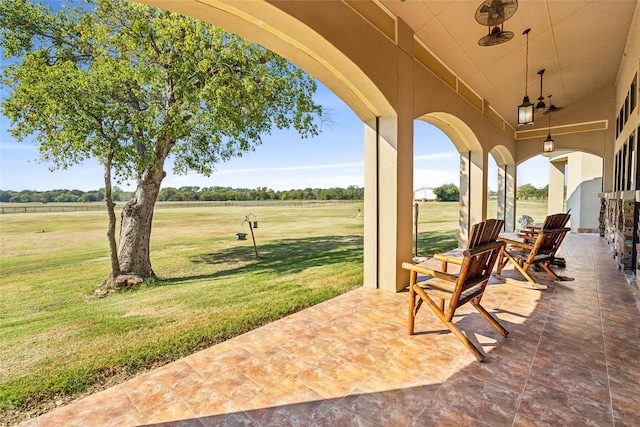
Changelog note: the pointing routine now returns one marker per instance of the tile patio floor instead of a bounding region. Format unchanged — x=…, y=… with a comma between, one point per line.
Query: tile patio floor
x=572, y=358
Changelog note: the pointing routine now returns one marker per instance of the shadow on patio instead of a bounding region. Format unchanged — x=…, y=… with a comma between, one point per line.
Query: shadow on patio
x=570, y=359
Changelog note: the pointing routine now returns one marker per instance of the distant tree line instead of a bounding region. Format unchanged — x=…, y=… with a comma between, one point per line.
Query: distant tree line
x=451, y=193
x=187, y=194
x=30, y=196
x=183, y=194
x=529, y=192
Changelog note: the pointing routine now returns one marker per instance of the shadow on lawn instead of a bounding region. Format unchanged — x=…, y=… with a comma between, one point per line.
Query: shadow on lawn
x=281, y=256
x=433, y=242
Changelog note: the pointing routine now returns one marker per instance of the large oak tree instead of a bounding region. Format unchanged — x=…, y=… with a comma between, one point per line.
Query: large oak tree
x=131, y=85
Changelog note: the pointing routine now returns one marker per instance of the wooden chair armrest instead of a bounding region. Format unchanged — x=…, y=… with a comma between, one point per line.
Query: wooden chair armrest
x=454, y=257
x=523, y=245
x=429, y=272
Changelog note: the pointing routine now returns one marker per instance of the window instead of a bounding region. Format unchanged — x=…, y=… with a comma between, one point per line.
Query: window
x=626, y=109
x=631, y=164
x=623, y=163
x=634, y=93
x=617, y=172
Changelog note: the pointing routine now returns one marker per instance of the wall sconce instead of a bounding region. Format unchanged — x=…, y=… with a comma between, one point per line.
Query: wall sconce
x=525, y=110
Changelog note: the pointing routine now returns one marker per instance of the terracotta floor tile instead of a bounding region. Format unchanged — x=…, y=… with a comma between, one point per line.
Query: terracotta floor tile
x=234, y=419
x=170, y=411
x=214, y=396
x=509, y=373
x=441, y=415
x=332, y=377
x=433, y=363
x=589, y=382
x=364, y=410
x=270, y=368
x=624, y=378
x=294, y=415
x=218, y=359
x=548, y=405
x=401, y=387
x=365, y=353
x=110, y=407
x=522, y=421
x=311, y=346
x=155, y=388
x=494, y=405
x=626, y=411
x=570, y=350
x=289, y=391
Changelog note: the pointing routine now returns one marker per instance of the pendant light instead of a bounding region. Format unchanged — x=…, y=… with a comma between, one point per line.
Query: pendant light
x=525, y=110
x=548, y=145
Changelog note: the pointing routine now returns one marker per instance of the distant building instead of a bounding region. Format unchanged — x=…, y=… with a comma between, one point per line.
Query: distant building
x=424, y=194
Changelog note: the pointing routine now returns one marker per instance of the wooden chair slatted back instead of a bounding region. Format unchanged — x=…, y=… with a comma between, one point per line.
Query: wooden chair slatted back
x=481, y=254
x=483, y=232
x=555, y=221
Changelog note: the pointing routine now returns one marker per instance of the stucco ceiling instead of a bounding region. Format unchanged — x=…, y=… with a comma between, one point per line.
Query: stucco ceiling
x=579, y=43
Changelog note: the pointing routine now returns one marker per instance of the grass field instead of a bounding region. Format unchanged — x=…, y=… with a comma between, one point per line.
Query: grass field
x=57, y=341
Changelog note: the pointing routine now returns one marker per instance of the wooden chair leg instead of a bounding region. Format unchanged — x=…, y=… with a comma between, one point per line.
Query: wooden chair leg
x=467, y=343
x=453, y=328
x=412, y=315
x=490, y=318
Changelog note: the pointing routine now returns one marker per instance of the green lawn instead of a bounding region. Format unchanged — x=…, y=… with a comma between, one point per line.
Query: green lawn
x=58, y=341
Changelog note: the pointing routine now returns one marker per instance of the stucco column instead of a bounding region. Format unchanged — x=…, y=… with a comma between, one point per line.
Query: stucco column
x=555, y=203
x=388, y=202
x=507, y=196
x=473, y=192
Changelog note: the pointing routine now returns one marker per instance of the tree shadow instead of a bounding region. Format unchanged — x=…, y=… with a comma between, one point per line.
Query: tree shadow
x=433, y=242
x=285, y=256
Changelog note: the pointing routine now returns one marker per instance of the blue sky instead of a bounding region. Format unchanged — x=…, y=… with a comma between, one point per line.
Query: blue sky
x=284, y=161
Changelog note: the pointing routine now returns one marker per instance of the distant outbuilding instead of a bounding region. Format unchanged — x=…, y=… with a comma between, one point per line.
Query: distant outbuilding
x=424, y=194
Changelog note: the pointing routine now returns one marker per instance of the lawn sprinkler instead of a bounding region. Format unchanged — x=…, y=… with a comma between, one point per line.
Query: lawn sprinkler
x=252, y=224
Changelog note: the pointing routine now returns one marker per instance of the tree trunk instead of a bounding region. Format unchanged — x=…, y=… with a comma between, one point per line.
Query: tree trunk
x=135, y=226
x=111, y=232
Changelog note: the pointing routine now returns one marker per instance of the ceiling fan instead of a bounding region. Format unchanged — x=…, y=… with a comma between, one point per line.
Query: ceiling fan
x=493, y=13
x=552, y=108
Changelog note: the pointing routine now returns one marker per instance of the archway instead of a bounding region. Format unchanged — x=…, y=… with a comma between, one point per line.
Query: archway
x=473, y=160
x=505, y=182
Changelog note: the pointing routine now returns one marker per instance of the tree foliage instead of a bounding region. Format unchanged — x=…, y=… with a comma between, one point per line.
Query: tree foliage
x=447, y=193
x=131, y=85
x=528, y=192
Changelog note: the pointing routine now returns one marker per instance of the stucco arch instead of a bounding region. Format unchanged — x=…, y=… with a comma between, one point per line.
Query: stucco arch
x=456, y=130
x=502, y=155
x=473, y=163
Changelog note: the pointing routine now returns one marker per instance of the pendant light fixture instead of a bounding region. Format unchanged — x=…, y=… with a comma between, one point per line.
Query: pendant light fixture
x=548, y=145
x=525, y=110
x=541, y=105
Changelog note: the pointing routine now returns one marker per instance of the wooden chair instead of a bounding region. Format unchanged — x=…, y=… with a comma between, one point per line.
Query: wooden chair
x=486, y=231
x=551, y=222
x=524, y=253
x=467, y=286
